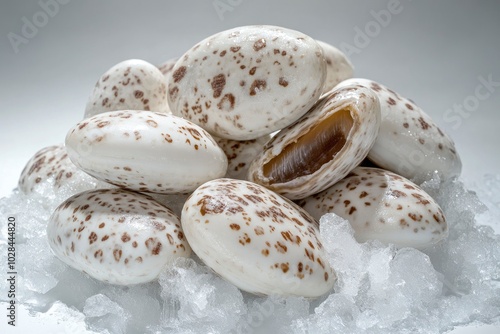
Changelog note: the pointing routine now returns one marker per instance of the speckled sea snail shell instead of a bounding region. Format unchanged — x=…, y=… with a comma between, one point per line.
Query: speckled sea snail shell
x=257, y=240
x=322, y=147
x=167, y=67
x=131, y=84
x=116, y=236
x=247, y=82
x=146, y=151
x=240, y=154
x=409, y=143
x=49, y=163
x=338, y=66
x=383, y=206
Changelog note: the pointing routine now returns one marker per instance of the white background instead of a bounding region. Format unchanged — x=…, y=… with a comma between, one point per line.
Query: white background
x=431, y=52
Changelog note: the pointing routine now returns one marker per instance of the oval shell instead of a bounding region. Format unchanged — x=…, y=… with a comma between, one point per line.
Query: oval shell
x=409, y=143
x=145, y=151
x=53, y=164
x=384, y=206
x=256, y=239
x=131, y=84
x=338, y=66
x=322, y=147
x=116, y=236
x=240, y=154
x=247, y=82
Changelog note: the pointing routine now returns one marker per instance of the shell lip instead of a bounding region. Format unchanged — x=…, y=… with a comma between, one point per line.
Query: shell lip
x=324, y=113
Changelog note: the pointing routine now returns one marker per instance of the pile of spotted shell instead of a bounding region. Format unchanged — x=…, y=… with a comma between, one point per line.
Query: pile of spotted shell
x=240, y=86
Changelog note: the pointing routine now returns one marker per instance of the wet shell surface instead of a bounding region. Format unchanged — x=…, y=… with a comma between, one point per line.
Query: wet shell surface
x=116, y=236
x=384, y=206
x=409, y=143
x=247, y=82
x=240, y=154
x=52, y=163
x=146, y=151
x=338, y=66
x=132, y=84
x=322, y=147
x=256, y=239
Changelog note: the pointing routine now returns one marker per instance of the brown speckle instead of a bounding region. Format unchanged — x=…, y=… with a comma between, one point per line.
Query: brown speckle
x=218, y=83
x=92, y=238
x=256, y=86
x=179, y=74
x=117, y=254
x=228, y=100
x=259, y=44
x=423, y=124
x=283, y=82
x=138, y=94
x=154, y=245
x=125, y=237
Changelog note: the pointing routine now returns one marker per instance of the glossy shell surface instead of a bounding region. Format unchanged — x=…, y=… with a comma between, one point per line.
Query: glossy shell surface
x=131, y=84
x=409, y=143
x=256, y=239
x=116, y=236
x=145, y=151
x=383, y=206
x=247, y=82
x=338, y=66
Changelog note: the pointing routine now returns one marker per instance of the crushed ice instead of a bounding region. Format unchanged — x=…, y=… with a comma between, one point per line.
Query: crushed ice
x=380, y=289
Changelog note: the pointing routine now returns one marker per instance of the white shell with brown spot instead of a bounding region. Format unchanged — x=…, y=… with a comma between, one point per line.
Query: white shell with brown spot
x=146, y=151
x=409, y=143
x=256, y=239
x=247, y=82
x=296, y=177
x=384, y=206
x=240, y=154
x=53, y=164
x=116, y=236
x=166, y=69
x=132, y=84
x=338, y=66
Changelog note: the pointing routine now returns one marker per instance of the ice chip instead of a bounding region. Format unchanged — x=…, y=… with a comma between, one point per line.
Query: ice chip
x=103, y=314
x=196, y=299
x=100, y=305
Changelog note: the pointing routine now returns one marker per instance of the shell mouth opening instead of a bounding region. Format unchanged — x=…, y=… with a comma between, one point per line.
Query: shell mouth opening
x=319, y=145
